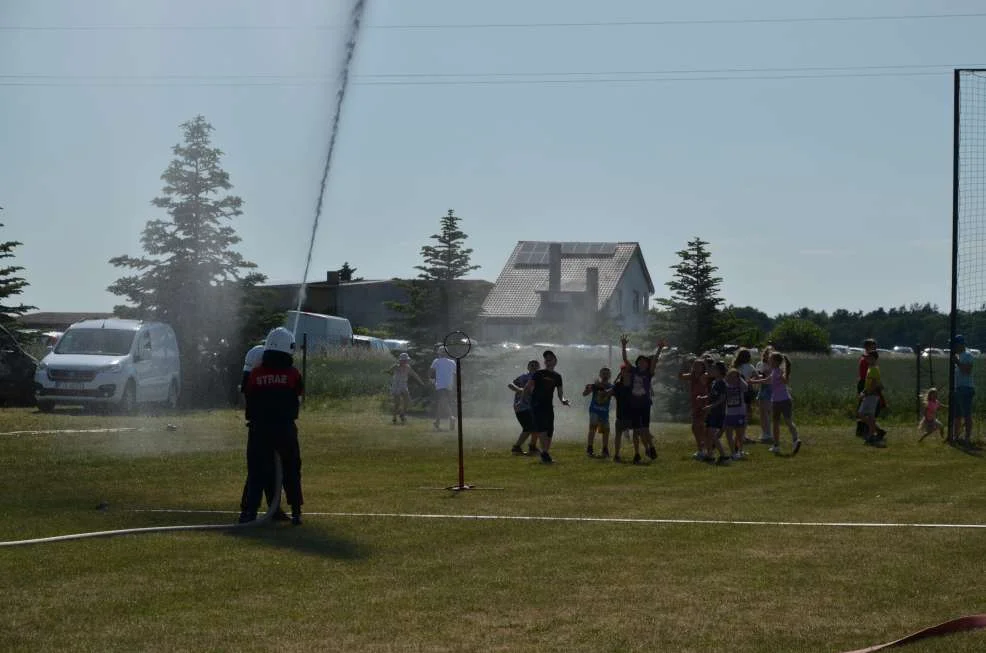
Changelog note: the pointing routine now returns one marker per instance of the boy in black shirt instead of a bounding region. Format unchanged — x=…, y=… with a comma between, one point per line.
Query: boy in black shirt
x=543, y=385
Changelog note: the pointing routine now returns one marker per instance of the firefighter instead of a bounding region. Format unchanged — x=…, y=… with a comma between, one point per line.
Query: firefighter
x=273, y=393
x=250, y=361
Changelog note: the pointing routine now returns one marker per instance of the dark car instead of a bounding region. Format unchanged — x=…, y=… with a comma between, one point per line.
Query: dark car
x=16, y=371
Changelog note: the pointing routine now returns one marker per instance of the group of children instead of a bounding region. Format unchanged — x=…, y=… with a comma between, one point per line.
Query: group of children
x=721, y=400
x=722, y=403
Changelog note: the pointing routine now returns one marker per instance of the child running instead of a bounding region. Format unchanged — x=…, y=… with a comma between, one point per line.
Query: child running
x=715, y=413
x=399, y=392
x=781, y=404
x=736, y=411
x=541, y=388
x=642, y=395
x=601, y=392
x=697, y=379
x=930, y=423
x=522, y=409
x=763, y=396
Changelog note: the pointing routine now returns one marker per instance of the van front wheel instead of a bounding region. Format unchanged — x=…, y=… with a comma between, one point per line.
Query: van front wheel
x=46, y=406
x=128, y=402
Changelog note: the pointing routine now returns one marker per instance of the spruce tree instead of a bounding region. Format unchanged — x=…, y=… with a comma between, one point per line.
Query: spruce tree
x=11, y=285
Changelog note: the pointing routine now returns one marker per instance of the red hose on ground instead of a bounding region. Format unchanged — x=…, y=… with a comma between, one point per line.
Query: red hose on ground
x=960, y=625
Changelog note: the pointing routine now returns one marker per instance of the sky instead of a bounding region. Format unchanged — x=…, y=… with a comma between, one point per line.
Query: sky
x=826, y=192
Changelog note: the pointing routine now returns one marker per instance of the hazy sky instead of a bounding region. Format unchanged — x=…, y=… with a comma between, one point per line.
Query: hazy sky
x=827, y=192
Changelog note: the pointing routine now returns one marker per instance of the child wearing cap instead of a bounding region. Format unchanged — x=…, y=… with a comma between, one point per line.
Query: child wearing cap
x=400, y=373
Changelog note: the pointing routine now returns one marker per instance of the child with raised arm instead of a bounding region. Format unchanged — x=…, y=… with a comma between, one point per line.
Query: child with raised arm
x=641, y=384
x=930, y=422
x=601, y=395
x=522, y=409
x=400, y=373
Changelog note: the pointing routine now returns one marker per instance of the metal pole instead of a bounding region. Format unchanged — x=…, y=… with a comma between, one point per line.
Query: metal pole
x=304, y=359
x=917, y=377
x=458, y=403
x=953, y=315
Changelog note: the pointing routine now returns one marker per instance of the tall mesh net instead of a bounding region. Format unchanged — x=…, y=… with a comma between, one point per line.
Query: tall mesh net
x=968, y=311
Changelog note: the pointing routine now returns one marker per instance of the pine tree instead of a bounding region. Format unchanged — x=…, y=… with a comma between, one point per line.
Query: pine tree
x=347, y=273
x=690, y=316
x=189, y=275
x=437, y=304
x=11, y=285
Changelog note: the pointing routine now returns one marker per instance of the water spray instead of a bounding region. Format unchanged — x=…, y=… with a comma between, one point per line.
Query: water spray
x=352, y=37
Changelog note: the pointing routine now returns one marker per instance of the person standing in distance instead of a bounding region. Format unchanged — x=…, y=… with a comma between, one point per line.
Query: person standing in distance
x=543, y=384
x=273, y=393
x=443, y=374
x=965, y=389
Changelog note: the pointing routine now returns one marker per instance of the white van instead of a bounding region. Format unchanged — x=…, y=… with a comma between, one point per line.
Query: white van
x=120, y=363
x=319, y=330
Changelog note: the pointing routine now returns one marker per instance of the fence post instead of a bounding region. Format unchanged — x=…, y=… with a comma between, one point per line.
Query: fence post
x=917, y=382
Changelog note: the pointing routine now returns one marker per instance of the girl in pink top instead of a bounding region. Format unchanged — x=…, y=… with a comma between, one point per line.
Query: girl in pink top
x=782, y=407
x=930, y=423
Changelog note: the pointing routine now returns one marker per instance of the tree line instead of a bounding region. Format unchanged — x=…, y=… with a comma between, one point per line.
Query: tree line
x=190, y=275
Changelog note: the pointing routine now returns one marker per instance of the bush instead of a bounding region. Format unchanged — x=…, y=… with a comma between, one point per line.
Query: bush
x=798, y=335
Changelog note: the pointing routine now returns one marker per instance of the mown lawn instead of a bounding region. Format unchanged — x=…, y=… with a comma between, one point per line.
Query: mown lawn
x=400, y=583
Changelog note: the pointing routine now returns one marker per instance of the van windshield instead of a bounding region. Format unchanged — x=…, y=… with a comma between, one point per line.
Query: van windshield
x=96, y=342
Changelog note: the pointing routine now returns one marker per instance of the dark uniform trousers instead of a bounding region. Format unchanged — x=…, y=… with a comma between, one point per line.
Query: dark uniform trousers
x=263, y=441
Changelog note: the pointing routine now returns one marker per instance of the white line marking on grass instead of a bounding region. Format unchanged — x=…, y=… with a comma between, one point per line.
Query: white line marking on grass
x=60, y=431
x=606, y=520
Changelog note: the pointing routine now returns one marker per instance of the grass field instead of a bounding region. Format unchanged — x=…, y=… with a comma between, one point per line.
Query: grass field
x=404, y=584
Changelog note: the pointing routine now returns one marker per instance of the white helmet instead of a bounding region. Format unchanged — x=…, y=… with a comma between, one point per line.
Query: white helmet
x=280, y=339
x=404, y=357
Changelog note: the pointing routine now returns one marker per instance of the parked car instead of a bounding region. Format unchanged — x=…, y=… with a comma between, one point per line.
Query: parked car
x=369, y=342
x=975, y=352
x=118, y=363
x=839, y=350
x=933, y=351
x=903, y=350
x=17, y=369
x=394, y=344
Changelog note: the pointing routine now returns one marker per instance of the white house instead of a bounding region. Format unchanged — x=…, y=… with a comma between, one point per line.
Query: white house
x=572, y=287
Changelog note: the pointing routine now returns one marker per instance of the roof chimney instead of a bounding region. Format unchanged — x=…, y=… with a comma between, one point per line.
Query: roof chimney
x=592, y=288
x=554, y=267
x=332, y=277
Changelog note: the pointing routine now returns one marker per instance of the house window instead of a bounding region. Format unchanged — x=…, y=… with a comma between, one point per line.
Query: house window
x=636, y=301
x=644, y=303
x=619, y=302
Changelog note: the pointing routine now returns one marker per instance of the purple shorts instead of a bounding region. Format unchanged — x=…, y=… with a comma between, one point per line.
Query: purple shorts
x=735, y=420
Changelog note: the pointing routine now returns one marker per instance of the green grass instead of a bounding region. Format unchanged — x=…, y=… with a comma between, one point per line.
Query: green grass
x=389, y=584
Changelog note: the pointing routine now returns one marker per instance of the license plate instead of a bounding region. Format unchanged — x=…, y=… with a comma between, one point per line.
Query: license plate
x=68, y=385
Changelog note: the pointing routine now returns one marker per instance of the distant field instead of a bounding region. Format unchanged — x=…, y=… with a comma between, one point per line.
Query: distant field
x=387, y=583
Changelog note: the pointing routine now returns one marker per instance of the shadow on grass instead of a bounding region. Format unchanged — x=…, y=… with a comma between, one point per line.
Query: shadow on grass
x=307, y=539
x=974, y=449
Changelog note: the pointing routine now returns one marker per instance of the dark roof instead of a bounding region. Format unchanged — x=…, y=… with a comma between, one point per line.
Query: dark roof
x=517, y=290
x=59, y=319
